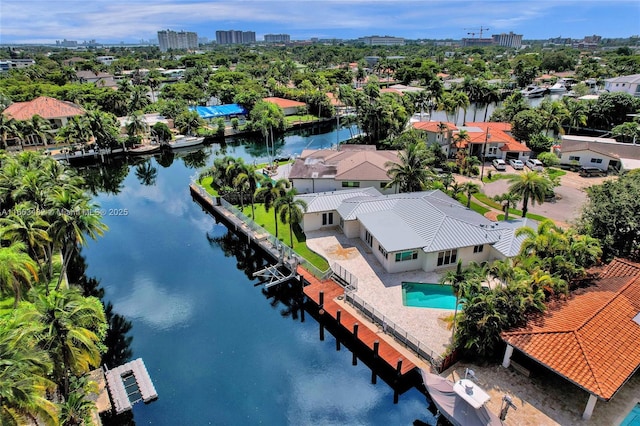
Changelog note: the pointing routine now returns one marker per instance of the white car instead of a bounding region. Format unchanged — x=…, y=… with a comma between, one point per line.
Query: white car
x=499, y=164
x=534, y=164
x=516, y=164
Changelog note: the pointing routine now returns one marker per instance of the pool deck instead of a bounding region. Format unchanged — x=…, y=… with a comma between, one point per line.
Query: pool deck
x=384, y=290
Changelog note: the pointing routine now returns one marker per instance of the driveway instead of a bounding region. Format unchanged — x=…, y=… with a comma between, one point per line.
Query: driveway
x=570, y=195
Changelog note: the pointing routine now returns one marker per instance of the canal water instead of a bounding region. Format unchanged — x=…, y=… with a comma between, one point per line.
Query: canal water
x=219, y=348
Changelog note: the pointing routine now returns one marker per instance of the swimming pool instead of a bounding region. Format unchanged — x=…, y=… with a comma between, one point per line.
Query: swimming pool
x=633, y=418
x=425, y=295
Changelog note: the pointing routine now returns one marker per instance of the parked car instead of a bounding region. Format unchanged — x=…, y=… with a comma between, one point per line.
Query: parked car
x=516, y=164
x=499, y=164
x=534, y=164
x=591, y=171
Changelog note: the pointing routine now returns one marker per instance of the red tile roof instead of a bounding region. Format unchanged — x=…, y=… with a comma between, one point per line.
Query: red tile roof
x=498, y=133
x=334, y=100
x=43, y=106
x=433, y=126
x=591, y=339
x=391, y=90
x=284, y=103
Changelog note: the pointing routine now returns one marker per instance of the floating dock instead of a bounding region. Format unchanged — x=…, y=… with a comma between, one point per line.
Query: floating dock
x=128, y=384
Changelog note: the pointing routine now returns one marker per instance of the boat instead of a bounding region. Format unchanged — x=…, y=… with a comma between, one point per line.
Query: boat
x=144, y=149
x=457, y=406
x=534, y=91
x=185, y=141
x=558, y=87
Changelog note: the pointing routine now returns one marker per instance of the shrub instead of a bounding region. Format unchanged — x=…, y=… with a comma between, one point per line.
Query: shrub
x=548, y=159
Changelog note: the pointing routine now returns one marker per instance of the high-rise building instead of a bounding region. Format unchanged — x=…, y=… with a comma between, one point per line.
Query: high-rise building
x=182, y=40
x=277, y=38
x=235, y=37
x=508, y=40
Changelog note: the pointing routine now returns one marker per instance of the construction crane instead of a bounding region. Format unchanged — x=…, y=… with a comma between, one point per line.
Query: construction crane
x=481, y=30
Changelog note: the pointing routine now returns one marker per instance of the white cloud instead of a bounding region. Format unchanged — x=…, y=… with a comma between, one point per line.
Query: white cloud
x=154, y=305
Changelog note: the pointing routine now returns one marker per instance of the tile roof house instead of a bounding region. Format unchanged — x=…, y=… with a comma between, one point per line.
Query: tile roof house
x=440, y=132
x=351, y=166
x=99, y=79
x=593, y=338
x=603, y=153
x=55, y=111
x=288, y=106
x=412, y=231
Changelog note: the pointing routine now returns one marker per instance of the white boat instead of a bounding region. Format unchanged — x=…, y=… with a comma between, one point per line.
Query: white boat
x=184, y=141
x=558, y=87
x=534, y=91
x=144, y=149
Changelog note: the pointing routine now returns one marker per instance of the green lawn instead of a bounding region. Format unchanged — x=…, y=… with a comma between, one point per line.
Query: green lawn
x=553, y=172
x=206, y=184
x=267, y=221
x=474, y=206
x=290, y=119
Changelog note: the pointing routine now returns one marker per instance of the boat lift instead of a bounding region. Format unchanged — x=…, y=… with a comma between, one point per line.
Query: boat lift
x=272, y=272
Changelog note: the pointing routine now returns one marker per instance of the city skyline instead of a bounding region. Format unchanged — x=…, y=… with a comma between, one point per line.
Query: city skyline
x=121, y=21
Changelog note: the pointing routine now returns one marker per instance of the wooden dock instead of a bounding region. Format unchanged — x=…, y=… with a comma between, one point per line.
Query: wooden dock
x=120, y=395
x=331, y=290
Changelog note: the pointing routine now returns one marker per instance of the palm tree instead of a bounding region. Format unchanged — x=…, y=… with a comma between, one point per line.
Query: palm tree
x=410, y=174
x=491, y=95
x=137, y=126
x=470, y=188
x=290, y=210
x=17, y=270
x=269, y=192
x=461, y=101
x=577, y=113
x=456, y=279
x=531, y=186
x=30, y=229
x=76, y=131
x=77, y=407
x=74, y=327
x=247, y=179
x=23, y=374
x=76, y=219
x=507, y=200
x=40, y=127
x=555, y=113
x=7, y=128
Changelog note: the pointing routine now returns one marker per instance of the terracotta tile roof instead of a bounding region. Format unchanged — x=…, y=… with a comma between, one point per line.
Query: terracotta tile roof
x=591, y=339
x=433, y=126
x=43, y=106
x=284, y=103
x=391, y=90
x=498, y=133
x=333, y=99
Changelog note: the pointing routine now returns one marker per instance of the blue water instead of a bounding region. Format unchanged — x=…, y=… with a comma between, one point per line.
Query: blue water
x=633, y=418
x=221, y=350
x=423, y=295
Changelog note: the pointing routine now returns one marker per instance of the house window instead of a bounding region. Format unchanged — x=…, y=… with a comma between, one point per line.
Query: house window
x=492, y=150
x=327, y=218
x=596, y=160
x=447, y=257
x=574, y=158
x=383, y=251
x=478, y=249
x=349, y=184
x=403, y=256
x=368, y=238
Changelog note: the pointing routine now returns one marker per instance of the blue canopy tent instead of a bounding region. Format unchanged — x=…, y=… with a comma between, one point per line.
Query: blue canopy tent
x=219, y=111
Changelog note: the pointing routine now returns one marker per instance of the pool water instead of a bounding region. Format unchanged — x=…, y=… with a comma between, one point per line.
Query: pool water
x=633, y=418
x=424, y=295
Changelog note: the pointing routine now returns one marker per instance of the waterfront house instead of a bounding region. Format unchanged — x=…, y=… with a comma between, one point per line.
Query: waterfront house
x=603, y=153
x=349, y=166
x=97, y=78
x=627, y=84
x=593, y=338
x=411, y=231
x=55, y=111
x=492, y=139
x=288, y=106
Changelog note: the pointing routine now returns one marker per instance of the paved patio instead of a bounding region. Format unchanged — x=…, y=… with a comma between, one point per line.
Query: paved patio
x=383, y=290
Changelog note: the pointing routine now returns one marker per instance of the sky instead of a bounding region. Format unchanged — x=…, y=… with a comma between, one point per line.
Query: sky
x=129, y=21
